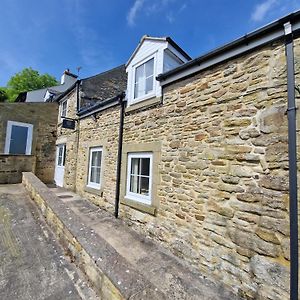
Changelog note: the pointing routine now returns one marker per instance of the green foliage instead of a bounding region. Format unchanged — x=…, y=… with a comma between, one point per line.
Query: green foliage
x=3, y=95
x=28, y=80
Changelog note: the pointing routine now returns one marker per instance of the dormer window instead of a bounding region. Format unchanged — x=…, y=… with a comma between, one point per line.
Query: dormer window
x=144, y=79
x=152, y=57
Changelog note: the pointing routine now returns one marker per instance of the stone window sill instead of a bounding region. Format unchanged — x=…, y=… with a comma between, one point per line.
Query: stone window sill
x=149, y=209
x=94, y=191
x=144, y=104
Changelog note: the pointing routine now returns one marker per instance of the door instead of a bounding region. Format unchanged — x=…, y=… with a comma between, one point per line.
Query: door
x=18, y=138
x=60, y=164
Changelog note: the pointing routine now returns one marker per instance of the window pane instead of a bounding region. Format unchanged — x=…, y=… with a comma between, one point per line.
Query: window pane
x=136, y=90
x=134, y=184
x=149, y=84
x=64, y=109
x=93, y=175
x=139, y=89
x=59, y=160
x=60, y=156
x=97, y=171
x=96, y=158
x=93, y=163
x=135, y=166
x=145, y=166
x=144, y=186
x=139, y=73
x=149, y=67
x=18, y=139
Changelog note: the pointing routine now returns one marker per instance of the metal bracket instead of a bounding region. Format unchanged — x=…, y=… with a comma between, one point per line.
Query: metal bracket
x=70, y=119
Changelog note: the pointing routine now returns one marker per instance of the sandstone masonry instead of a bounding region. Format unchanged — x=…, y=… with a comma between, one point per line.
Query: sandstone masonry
x=43, y=117
x=220, y=139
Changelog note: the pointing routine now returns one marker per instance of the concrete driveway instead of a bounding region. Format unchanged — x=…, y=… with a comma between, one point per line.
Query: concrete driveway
x=32, y=264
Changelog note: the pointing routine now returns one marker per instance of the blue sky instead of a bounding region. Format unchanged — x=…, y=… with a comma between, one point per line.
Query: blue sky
x=52, y=35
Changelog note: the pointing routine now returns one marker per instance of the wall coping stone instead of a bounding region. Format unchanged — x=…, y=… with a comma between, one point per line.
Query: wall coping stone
x=122, y=279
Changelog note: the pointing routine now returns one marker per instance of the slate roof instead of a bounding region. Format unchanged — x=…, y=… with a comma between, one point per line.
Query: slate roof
x=104, y=85
x=98, y=89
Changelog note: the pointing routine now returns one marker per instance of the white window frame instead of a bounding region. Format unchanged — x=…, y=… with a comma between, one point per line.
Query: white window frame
x=135, y=196
x=62, y=116
x=151, y=94
x=8, y=136
x=91, y=184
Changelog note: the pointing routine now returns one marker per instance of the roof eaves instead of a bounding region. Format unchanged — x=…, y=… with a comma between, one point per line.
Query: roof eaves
x=178, y=48
x=66, y=92
x=145, y=37
x=274, y=30
x=99, y=106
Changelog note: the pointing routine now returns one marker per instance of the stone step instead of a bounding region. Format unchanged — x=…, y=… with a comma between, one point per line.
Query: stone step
x=120, y=263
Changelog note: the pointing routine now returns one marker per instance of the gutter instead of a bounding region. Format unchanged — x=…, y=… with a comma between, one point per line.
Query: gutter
x=99, y=107
x=260, y=37
x=122, y=102
x=292, y=139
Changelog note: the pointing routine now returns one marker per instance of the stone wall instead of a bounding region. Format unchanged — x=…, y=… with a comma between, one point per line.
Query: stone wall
x=43, y=116
x=70, y=138
x=223, y=191
x=222, y=185
x=90, y=132
x=100, y=133
x=12, y=166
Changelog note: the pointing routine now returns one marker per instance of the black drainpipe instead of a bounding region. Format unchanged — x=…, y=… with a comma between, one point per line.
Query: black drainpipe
x=291, y=112
x=77, y=95
x=119, y=161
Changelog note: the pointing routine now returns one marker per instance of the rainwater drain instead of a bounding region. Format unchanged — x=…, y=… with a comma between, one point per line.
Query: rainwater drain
x=65, y=196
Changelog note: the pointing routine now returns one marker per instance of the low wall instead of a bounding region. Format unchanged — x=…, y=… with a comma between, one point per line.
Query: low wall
x=105, y=273
x=12, y=166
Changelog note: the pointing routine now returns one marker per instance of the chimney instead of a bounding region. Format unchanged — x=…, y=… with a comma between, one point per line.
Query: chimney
x=68, y=78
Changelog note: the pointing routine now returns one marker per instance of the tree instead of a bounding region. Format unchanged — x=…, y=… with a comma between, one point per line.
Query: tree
x=28, y=80
x=3, y=95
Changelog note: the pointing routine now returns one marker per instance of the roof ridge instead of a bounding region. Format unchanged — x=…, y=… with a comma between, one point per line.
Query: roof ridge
x=102, y=73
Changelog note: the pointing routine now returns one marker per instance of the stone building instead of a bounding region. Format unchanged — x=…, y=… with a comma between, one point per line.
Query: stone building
x=27, y=140
x=195, y=155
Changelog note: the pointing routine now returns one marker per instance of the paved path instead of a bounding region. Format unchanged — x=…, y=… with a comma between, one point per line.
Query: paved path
x=147, y=263
x=32, y=264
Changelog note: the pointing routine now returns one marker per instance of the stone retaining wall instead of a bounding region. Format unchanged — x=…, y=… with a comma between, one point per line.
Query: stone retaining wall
x=63, y=226
x=43, y=117
x=12, y=166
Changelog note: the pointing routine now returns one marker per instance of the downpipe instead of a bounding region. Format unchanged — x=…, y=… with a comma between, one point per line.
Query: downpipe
x=122, y=102
x=292, y=146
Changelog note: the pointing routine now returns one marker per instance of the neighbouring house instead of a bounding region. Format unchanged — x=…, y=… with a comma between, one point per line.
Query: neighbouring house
x=46, y=94
x=27, y=140
x=194, y=153
x=87, y=94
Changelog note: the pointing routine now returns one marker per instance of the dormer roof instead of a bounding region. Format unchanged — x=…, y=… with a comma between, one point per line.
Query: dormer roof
x=158, y=39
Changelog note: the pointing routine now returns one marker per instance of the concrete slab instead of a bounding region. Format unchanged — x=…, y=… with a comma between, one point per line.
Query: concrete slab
x=170, y=275
x=32, y=264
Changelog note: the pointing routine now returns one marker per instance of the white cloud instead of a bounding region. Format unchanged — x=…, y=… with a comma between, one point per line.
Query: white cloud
x=261, y=10
x=93, y=49
x=154, y=7
x=137, y=6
